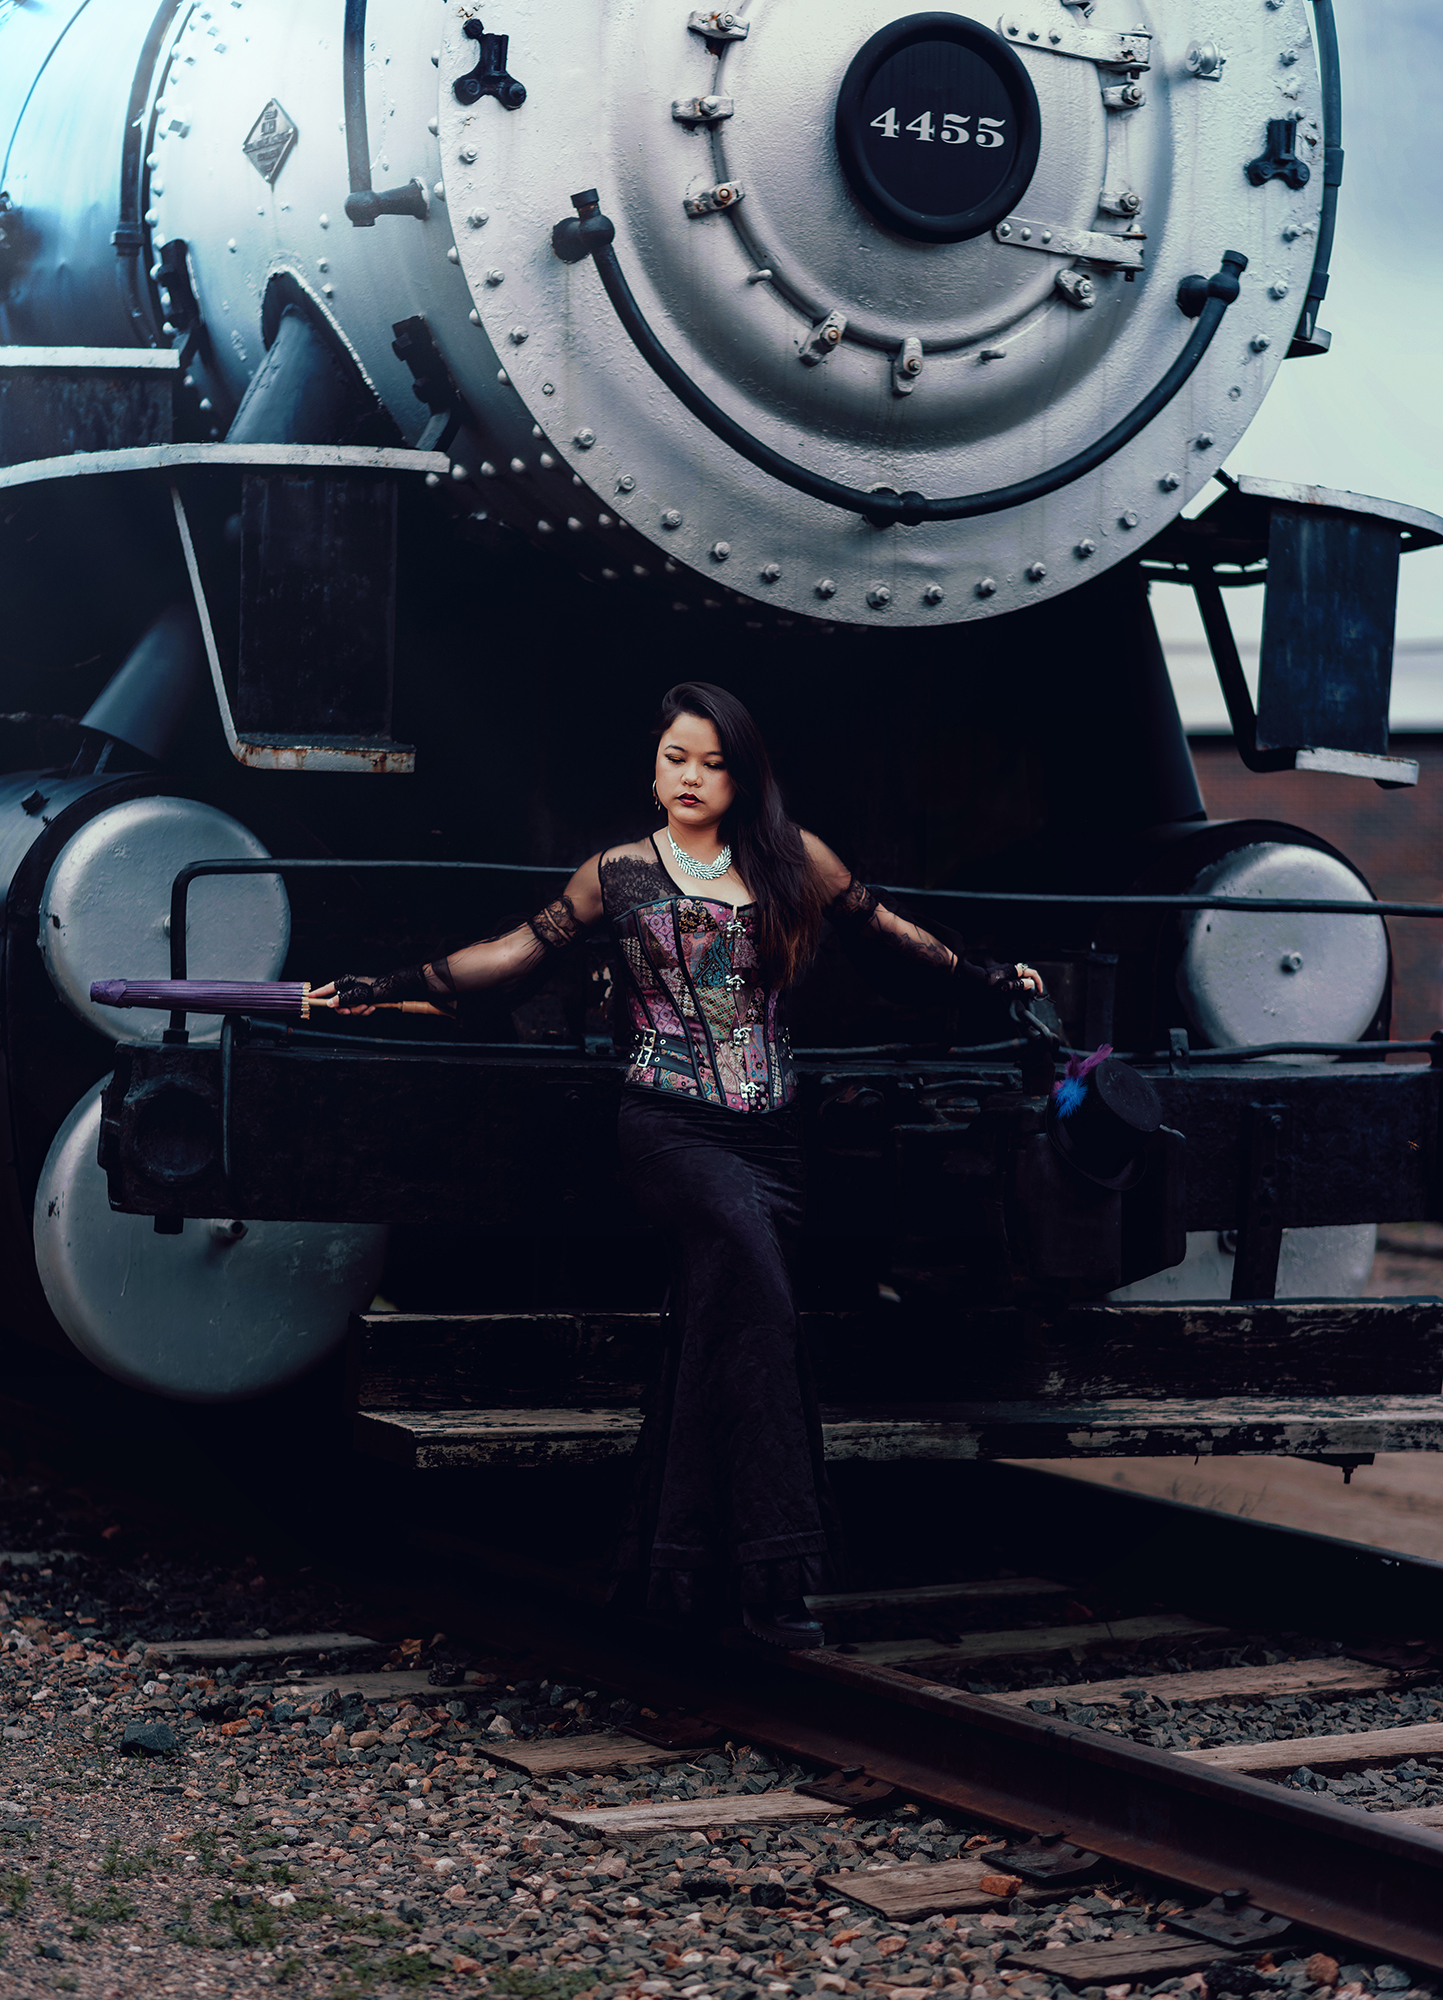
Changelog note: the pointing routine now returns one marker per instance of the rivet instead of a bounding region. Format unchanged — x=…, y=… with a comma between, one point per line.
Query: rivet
x=1127, y=519
x=433, y=126
x=770, y=572
x=478, y=218
x=518, y=465
x=1169, y=482
x=1034, y=34
x=987, y=586
x=572, y=523
x=548, y=388
x=1260, y=343
x=609, y=575
x=626, y=484
x=474, y=317
x=1234, y=393
x=495, y=276
x=328, y=291
x=324, y=221
x=453, y=255
x=435, y=58
x=458, y=471
x=519, y=334
x=547, y=460
x=933, y=594
x=603, y=521
x=1086, y=547
x=1027, y=235
x=230, y=245
x=1292, y=961
x=1292, y=231
x=1036, y=571
x=1054, y=38
x=720, y=551
x=1288, y=58
x=1278, y=289
x=1203, y=441
x=671, y=518
x=323, y=263
x=1047, y=235
x=543, y=527
x=826, y=587
x=205, y=403
x=584, y=440
x=502, y=377
x=488, y=470
x=468, y=155
x=640, y=569
x=433, y=479
x=1004, y=229
x=439, y=190
x=879, y=597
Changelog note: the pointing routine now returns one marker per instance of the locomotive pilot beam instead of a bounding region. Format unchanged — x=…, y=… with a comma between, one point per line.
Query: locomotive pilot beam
x=410, y=397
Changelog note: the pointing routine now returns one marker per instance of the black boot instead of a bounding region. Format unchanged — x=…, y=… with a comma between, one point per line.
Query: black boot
x=789, y=1624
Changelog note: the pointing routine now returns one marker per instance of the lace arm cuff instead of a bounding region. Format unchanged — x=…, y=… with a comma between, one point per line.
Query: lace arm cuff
x=375, y=990
x=558, y=925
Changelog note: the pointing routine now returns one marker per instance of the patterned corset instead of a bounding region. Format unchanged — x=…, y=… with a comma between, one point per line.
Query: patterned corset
x=706, y=1024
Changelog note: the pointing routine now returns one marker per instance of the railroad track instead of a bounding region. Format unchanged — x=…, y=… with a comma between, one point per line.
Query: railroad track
x=1093, y=1644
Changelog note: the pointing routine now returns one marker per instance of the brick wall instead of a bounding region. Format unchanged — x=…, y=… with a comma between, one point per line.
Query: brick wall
x=1395, y=838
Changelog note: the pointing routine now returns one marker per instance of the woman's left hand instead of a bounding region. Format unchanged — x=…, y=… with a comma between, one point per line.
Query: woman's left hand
x=1031, y=980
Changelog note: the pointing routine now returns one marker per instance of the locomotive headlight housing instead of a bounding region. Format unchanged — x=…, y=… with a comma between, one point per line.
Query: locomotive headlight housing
x=937, y=255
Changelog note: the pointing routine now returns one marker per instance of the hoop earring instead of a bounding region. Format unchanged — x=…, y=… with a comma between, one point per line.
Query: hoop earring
x=659, y=806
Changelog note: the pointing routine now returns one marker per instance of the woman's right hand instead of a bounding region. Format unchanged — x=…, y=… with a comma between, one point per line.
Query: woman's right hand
x=329, y=992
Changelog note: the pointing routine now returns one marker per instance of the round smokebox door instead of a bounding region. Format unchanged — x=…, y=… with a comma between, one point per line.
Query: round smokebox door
x=938, y=127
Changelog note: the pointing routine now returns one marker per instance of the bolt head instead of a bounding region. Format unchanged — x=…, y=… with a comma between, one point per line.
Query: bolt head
x=1169, y=482
x=770, y=572
x=584, y=439
x=987, y=586
x=720, y=551
x=519, y=335
x=1036, y=571
x=933, y=594
x=826, y=587
x=1086, y=547
x=468, y=155
x=495, y=276
x=1278, y=289
x=671, y=518
x=879, y=597
x=1260, y=343
x=478, y=218
x=1127, y=519
x=1292, y=961
x=1203, y=441
x=626, y=483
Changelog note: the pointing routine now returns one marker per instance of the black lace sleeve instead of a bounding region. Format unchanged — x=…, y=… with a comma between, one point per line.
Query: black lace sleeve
x=557, y=926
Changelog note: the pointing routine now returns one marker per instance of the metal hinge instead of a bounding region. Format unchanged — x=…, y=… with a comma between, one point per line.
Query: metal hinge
x=1111, y=47
x=709, y=110
x=1123, y=252
x=718, y=26
x=823, y=338
x=715, y=200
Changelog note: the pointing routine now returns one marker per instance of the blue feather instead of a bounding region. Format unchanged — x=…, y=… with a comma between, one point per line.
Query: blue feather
x=1069, y=1095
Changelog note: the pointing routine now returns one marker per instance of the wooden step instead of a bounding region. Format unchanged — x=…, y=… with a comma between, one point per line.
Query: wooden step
x=984, y=1648
x=1267, y=1427
x=1322, y=1680
x=1067, y=1355
x=1368, y=1750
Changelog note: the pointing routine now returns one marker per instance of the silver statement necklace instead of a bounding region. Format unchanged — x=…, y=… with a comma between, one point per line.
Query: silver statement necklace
x=700, y=871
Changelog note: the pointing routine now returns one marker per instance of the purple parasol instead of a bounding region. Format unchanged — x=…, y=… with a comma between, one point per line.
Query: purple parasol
x=207, y=996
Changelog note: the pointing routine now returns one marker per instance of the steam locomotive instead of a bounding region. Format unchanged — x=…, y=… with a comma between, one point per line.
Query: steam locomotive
x=392, y=404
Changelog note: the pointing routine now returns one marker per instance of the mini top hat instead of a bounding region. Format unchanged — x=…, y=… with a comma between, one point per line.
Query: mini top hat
x=1100, y=1118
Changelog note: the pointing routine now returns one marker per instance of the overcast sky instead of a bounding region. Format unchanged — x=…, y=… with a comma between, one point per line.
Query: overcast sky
x=1369, y=415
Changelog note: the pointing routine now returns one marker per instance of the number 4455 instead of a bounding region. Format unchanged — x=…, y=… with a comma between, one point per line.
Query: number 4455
x=954, y=128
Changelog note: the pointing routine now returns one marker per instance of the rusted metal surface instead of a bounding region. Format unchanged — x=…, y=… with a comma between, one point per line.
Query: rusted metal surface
x=1328, y=1866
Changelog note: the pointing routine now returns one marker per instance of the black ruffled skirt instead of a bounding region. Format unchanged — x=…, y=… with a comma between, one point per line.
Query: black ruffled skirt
x=730, y=1503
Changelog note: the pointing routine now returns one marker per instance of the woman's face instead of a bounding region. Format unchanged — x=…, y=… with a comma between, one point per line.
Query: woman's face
x=692, y=780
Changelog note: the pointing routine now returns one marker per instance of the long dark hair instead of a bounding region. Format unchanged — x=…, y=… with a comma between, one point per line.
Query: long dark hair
x=766, y=845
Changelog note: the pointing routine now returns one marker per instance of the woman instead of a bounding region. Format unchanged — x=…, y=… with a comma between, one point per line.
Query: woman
x=715, y=917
